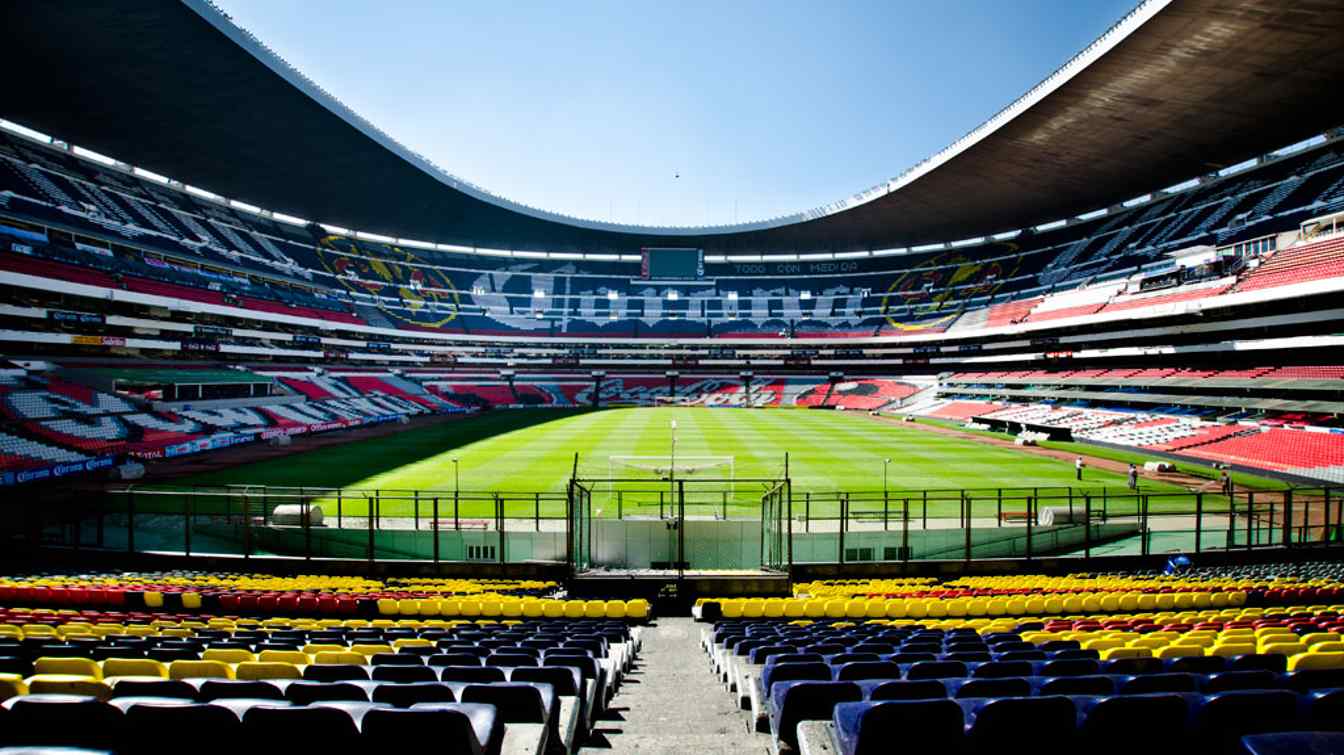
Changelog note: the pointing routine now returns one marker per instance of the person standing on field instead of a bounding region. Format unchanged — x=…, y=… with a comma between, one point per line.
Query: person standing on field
x=1133, y=477
x=1078, y=468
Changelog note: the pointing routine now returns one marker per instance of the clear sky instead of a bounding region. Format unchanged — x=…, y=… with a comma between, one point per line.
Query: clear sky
x=594, y=109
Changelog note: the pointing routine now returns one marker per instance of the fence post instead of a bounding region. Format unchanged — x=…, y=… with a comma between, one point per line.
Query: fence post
x=1143, y=526
x=1288, y=518
x=886, y=511
x=339, y=493
x=723, y=505
x=416, y=515
x=1087, y=526
x=536, y=510
x=844, y=517
x=247, y=527
x=620, y=505
x=807, y=511
x=499, y=524
x=1031, y=521
x=186, y=528
x=1199, y=522
x=433, y=527
x=130, y=521
x=306, y=511
x=999, y=507
x=377, y=509
x=1250, y=519
x=457, y=523
x=265, y=507
x=369, y=520
x=966, y=522
x=924, y=512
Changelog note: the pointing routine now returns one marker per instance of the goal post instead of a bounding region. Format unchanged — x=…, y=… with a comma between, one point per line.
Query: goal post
x=666, y=467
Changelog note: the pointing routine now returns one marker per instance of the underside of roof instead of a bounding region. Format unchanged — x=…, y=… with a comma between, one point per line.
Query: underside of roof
x=165, y=86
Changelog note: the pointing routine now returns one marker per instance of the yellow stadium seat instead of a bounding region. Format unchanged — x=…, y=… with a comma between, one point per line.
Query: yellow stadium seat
x=753, y=608
x=68, y=667
x=260, y=670
x=1314, y=638
x=1104, y=643
x=345, y=657
x=916, y=609
x=408, y=607
x=450, y=607
x=320, y=647
x=896, y=608
x=1314, y=661
x=142, y=667
x=283, y=656
x=388, y=607
x=191, y=600
x=199, y=670
x=615, y=609
x=814, y=608
x=1179, y=651
x=12, y=685
x=491, y=607
x=637, y=609
x=574, y=609
x=1230, y=650
x=411, y=642
x=553, y=609
x=1283, y=648
x=371, y=649
x=68, y=684
x=595, y=609
x=511, y=609
x=1327, y=647
x=835, y=609
x=153, y=600
x=468, y=607
x=1126, y=652
x=228, y=655
x=774, y=609
x=936, y=609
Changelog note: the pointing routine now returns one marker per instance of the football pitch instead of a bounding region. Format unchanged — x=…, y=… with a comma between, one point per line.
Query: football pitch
x=533, y=451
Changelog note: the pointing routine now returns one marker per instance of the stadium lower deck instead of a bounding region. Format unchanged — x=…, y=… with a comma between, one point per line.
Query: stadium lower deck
x=1213, y=659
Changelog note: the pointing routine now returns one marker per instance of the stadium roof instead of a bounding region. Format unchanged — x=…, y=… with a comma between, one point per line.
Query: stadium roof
x=1177, y=89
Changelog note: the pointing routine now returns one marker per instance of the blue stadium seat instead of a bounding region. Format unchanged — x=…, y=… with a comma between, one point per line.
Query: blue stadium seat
x=1109, y=725
x=463, y=727
x=1227, y=716
x=791, y=702
x=915, y=725
x=1044, y=725
x=1294, y=743
x=905, y=689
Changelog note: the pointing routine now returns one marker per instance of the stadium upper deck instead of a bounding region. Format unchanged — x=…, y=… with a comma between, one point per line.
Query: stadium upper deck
x=1110, y=124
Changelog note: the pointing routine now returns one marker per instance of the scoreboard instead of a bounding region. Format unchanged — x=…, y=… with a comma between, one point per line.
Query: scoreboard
x=671, y=263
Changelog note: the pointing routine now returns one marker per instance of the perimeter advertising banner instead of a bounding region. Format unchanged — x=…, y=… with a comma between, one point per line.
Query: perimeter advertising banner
x=56, y=470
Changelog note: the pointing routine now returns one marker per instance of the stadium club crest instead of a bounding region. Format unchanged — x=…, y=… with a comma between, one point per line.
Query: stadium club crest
x=929, y=297
x=426, y=295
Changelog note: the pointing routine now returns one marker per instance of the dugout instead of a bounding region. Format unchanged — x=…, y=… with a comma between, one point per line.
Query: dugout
x=1014, y=427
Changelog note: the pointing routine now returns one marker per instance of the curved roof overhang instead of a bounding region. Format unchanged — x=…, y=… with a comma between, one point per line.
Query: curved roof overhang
x=1179, y=88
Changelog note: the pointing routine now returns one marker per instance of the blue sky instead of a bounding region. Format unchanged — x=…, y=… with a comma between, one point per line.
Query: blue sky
x=593, y=109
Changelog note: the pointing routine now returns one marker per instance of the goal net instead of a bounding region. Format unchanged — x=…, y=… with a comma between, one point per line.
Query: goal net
x=668, y=468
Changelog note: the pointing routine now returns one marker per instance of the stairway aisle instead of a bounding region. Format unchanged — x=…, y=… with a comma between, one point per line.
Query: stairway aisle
x=672, y=703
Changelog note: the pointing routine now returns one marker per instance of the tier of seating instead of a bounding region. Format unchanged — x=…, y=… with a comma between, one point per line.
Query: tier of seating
x=1298, y=264
x=240, y=659
x=50, y=421
x=170, y=243
x=1151, y=375
x=1099, y=677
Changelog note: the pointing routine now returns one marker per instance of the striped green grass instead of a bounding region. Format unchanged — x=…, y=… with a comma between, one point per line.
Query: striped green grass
x=526, y=452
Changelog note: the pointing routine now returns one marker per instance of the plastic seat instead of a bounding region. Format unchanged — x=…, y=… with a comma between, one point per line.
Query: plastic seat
x=906, y=689
x=1228, y=716
x=148, y=687
x=918, y=725
x=159, y=727
x=936, y=670
x=472, y=674
x=1234, y=680
x=336, y=673
x=787, y=672
x=566, y=682
x=994, y=687
x=319, y=728
x=516, y=703
x=232, y=689
x=1135, y=723
x=406, y=695
x=859, y=670
x=1077, y=685
x=1150, y=683
x=403, y=674
x=1066, y=667
x=461, y=727
x=306, y=693
x=1294, y=743
x=1001, y=669
x=251, y=670
x=1048, y=724
x=792, y=702
x=62, y=720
